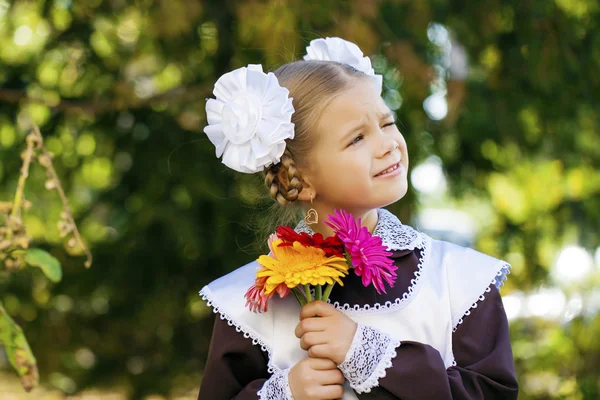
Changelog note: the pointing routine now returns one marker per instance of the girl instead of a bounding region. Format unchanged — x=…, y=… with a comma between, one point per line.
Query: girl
x=326, y=140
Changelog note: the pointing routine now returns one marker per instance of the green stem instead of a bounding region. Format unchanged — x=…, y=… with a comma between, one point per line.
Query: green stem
x=23, y=175
x=307, y=293
x=300, y=297
x=319, y=292
x=327, y=291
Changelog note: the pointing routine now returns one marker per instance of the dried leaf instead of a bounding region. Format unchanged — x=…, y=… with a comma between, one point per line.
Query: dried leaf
x=64, y=228
x=5, y=244
x=14, y=223
x=44, y=160
x=22, y=241
x=34, y=140
x=5, y=207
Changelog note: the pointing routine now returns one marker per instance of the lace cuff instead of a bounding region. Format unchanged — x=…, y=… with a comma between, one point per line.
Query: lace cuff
x=276, y=387
x=370, y=354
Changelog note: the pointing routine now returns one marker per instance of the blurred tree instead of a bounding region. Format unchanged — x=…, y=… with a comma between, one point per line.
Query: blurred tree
x=16, y=254
x=118, y=88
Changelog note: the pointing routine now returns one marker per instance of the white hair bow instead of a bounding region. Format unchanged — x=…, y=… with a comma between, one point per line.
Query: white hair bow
x=250, y=119
x=343, y=51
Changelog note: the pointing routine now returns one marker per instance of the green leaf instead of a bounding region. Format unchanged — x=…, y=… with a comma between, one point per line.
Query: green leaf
x=18, y=351
x=48, y=263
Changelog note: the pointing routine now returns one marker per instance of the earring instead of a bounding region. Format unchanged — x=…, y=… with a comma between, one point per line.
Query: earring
x=311, y=216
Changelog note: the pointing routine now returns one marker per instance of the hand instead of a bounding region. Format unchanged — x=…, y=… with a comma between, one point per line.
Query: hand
x=316, y=379
x=328, y=336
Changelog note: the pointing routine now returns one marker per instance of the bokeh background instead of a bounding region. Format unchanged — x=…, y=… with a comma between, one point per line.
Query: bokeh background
x=498, y=101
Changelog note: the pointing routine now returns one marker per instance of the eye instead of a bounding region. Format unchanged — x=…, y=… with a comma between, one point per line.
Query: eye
x=389, y=124
x=357, y=139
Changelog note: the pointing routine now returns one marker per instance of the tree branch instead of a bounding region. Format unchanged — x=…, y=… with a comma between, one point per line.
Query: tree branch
x=178, y=95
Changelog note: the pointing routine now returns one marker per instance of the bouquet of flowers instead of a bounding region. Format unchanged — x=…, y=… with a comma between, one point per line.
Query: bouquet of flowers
x=300, y=263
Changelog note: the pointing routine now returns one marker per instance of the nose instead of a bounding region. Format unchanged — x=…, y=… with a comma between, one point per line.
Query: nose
x=388, y=145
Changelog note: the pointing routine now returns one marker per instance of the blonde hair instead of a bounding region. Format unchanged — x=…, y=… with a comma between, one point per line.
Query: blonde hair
x=312, y=85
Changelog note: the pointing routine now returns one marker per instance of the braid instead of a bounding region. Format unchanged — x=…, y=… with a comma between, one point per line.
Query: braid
x=285, y=190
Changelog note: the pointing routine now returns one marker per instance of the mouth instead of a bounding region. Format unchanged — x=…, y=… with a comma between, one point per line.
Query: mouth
x=389, y=170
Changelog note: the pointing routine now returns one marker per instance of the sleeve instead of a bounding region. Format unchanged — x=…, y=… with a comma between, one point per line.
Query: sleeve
x=238, y=370
x=484, y=370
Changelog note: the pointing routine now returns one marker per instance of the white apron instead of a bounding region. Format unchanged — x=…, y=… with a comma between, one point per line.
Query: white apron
x=450, y=280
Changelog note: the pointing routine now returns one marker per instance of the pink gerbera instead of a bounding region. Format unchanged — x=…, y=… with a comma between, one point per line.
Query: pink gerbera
x=256, y=298
x=369, y=257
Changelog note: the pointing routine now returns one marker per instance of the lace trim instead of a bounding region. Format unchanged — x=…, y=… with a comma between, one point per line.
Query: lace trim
x=205, y=294
x=498, y=281
x=393, y=234
x=501, y=276
x=398, y=303
x=370, y=354
x=276, y=387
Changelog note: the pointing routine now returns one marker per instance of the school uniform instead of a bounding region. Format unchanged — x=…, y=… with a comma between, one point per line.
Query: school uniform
x=440, y=333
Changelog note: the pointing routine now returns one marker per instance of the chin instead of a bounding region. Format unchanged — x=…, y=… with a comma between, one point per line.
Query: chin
x=393, y=196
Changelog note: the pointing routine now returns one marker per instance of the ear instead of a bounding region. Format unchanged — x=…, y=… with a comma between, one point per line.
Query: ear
x=308, y=192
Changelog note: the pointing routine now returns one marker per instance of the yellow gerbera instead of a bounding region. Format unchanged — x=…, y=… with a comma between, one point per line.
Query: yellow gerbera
x=300, y=265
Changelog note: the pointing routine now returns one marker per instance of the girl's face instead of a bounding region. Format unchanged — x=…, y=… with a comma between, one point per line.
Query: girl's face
x=359, y=161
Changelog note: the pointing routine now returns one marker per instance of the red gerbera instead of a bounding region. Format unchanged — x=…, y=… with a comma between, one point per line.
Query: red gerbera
x=332, y=245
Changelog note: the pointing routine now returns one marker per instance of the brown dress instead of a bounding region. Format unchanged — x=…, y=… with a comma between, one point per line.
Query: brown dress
x=236, y=369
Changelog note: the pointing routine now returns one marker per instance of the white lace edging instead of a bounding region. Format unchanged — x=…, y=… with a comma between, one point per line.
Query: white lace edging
x=498, y=281
x=395, y=235
x=277, y=387
x=369, y=356
x=205, y=294
x=501, y=276
x=398, y=303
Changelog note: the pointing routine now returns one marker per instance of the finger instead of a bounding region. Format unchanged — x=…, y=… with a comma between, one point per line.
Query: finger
x=330, y=377
x=312, y=338
x=330, y=392
x=319, y=351
x=322, y=364
x=317, y=308
x=309, y=325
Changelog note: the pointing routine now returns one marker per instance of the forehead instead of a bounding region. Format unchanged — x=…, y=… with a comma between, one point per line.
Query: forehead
x=360, y=102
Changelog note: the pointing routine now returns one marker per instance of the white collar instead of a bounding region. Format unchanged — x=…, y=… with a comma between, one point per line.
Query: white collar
x=393, y=234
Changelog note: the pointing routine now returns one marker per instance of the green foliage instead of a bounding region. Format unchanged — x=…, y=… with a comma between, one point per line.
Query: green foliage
x=18, y=351
x=49, y=265
x=15, y=253
x=118, y=89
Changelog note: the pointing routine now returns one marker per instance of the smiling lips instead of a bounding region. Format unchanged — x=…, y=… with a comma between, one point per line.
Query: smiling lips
x=389, y=170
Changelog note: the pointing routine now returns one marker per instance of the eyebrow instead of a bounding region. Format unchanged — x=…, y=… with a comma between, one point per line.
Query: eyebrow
x=381, y=116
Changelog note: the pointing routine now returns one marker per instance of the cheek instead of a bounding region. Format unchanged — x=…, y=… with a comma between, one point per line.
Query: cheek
x=342, y=169
x=358, y=162
x=402, y=143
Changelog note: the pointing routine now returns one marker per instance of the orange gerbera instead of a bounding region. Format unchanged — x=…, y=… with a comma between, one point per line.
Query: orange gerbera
x=300, y=265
